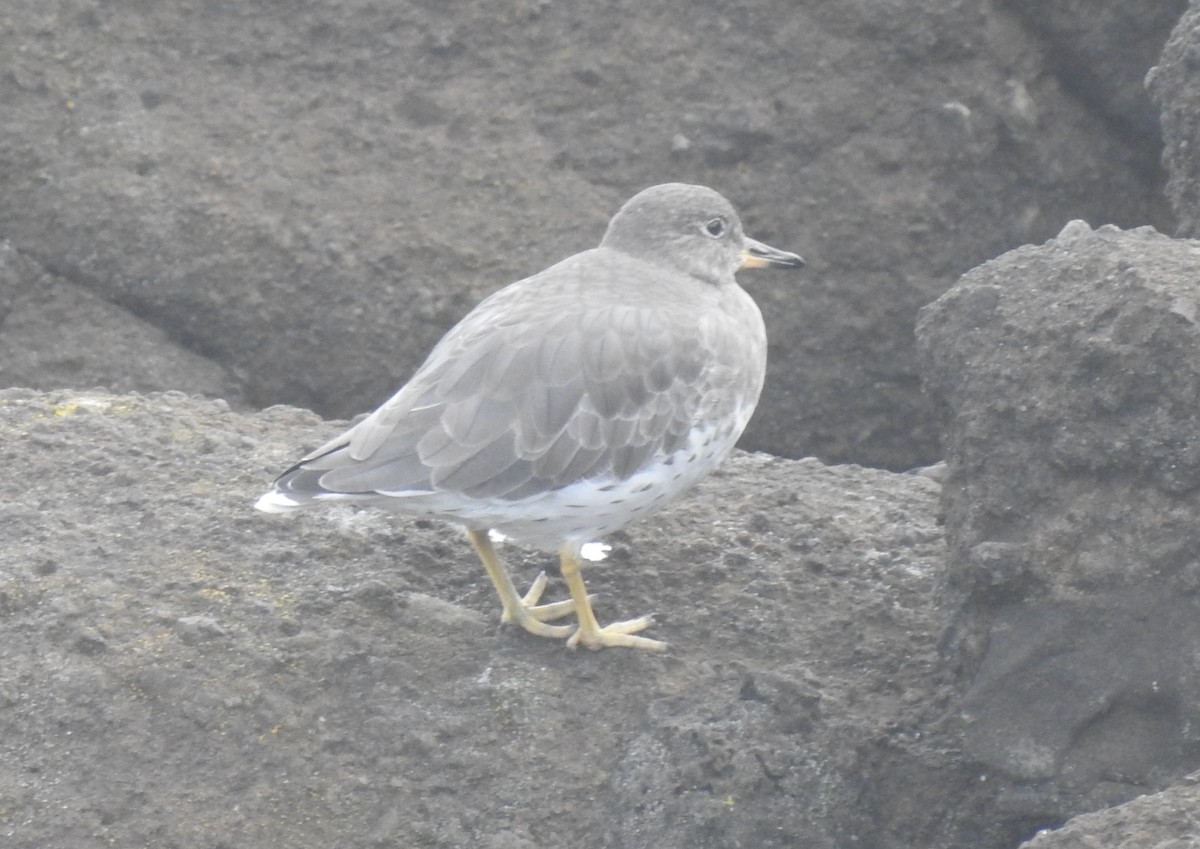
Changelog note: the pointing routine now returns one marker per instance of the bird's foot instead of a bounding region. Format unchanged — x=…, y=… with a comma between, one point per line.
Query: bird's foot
x=523, y=610
x=590, y=634
x=618, y=634
x=526, y=612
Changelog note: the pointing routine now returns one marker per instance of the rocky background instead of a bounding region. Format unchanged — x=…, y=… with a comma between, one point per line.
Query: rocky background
x=209, y=208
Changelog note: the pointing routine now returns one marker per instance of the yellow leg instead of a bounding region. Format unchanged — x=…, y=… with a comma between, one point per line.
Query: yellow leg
x=524, y=610
x=590, y=633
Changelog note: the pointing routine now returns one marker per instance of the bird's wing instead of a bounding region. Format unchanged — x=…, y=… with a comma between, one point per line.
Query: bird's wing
x=535, y=389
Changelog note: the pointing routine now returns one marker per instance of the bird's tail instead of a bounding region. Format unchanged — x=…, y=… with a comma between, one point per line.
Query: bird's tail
x=277, y=501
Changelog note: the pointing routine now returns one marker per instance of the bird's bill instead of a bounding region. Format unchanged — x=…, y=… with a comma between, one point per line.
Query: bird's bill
x=757, y=255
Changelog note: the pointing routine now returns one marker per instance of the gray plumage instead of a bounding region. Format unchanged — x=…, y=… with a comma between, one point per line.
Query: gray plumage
x=576, y=400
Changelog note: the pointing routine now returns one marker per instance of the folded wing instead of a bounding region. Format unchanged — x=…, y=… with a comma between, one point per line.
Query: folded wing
x=526, y=394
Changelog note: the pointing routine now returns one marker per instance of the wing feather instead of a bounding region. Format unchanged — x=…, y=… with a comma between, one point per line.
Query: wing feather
x=537, y=388
x=483, y=464
x=403, y=475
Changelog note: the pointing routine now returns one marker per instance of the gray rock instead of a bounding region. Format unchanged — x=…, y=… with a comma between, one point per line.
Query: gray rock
x=1166, y=820
x=198, y=628
x=1068, y=376
x=55, y=334
x=1175, y=85
x=1100, y=50
x=296, y=681
x=311, y=202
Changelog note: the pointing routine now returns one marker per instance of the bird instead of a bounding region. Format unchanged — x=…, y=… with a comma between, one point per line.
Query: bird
x=570, y=403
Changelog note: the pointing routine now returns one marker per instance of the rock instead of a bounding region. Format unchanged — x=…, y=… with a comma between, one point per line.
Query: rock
x=1175, y=85
x=198, y=628
x=310, y=203
x=55, y=334
x=1068, y=375
x=1100, y=50
x=228, y=202
x=1166, y=820
x=284, y=680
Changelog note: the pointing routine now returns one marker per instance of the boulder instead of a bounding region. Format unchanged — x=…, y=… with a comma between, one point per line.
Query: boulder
x=1068, y=374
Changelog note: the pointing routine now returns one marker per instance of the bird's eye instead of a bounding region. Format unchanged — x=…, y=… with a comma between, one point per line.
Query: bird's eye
x=716, y=228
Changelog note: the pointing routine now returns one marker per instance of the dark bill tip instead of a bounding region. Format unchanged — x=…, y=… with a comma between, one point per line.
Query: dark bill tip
x=757, y=255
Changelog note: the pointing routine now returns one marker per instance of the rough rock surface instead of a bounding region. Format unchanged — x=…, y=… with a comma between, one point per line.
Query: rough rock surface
x=1175, y=84
x=1166, y=820
x=1068, y=374
x=309, y=194
x=293, y=203
x=1100, y=50
x=55, y=333
x=179, y=670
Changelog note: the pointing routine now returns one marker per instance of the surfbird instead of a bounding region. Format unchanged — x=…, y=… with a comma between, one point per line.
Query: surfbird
x=570, y=403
